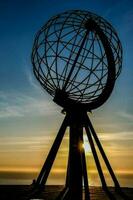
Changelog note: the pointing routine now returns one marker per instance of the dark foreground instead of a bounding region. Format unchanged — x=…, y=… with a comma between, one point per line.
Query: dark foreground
x=51, y=192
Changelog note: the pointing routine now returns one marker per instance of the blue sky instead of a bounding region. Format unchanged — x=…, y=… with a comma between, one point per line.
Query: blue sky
x=25, y=109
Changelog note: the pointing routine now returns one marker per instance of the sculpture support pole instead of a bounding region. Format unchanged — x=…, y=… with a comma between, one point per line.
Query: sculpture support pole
x=42, y=178
x=75, y=159
x=116, y=183
x=76, y=170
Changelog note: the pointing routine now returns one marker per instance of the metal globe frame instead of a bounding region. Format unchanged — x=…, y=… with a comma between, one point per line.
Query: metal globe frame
x=77, y=54
x=77, y=57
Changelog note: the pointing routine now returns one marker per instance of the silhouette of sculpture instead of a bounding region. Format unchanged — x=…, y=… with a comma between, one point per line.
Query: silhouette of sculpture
x=76, y=57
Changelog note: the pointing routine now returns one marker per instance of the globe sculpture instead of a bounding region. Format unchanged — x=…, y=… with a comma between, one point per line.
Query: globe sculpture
x=77, y=57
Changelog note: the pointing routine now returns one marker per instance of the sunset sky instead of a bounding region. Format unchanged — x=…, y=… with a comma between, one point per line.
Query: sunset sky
x=29, y=119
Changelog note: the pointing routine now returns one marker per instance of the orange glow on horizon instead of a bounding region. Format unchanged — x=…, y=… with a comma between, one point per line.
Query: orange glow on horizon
x=55, y=170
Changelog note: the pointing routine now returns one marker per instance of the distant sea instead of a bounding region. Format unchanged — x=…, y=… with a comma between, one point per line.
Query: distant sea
x=26, y=178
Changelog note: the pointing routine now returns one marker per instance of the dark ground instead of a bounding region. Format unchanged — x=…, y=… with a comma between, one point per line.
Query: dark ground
x=51, y=192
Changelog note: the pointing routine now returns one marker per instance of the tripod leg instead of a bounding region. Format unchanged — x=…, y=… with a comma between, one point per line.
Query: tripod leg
x=96, y=157
x=42, y=178
x=117, y=186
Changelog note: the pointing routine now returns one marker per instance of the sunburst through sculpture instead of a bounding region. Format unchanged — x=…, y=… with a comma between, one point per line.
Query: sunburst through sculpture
x=77, y=57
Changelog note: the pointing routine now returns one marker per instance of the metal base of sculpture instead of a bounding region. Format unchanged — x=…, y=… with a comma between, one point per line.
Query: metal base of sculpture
x=77, y=170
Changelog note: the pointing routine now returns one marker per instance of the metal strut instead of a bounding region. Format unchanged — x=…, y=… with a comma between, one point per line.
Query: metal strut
x=89, y=124
x=42, y=178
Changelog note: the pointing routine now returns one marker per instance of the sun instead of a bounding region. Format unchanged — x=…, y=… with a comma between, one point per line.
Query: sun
x=86, y=145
